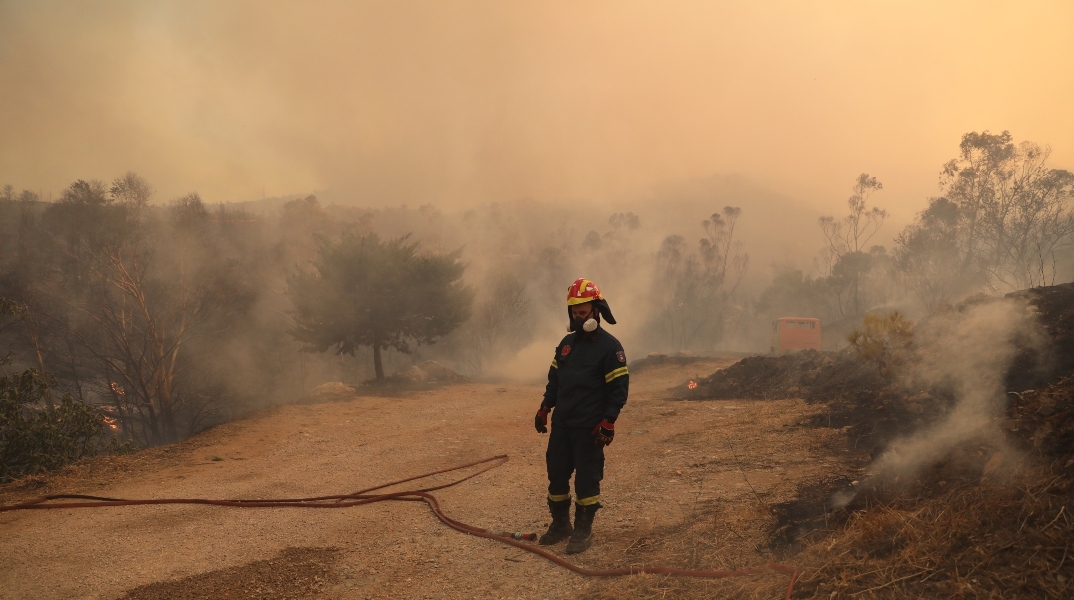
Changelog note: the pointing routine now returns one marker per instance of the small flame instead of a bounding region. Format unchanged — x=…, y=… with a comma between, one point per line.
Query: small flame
x=118, y=389
x=109, y=421
x=692, y=384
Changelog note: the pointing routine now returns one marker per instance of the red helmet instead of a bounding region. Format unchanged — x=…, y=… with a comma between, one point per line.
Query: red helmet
x=584, y=290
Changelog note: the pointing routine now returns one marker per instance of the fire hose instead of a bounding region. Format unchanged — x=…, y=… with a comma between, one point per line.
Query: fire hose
x=420, y=495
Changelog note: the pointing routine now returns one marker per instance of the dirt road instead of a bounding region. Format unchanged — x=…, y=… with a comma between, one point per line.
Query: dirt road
x=679, y=475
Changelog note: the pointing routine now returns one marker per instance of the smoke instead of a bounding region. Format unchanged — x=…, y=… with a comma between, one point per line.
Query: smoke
x=462, y=103
x=969, y=355
x=444, y=120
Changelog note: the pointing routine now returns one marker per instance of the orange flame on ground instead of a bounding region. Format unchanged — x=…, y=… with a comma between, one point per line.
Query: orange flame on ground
x=691, y=385
x=109, y=421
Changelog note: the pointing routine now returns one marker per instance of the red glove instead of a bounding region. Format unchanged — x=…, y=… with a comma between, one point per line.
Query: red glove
x=540, y=422
x=603, y=433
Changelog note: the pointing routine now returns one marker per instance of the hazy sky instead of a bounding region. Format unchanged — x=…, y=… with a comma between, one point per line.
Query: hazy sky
x=457, y=103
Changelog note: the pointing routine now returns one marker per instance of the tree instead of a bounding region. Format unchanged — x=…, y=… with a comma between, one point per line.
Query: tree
x=722, y=257
x=857, y=228
x=860, y=280
x=624, y=221
x=692, y=290
x=498, y=322
x=364, y=291
x=793, y=292
x=1014, y=211
x=843, y=256
x=973, y=180
x=929, y=257
x=137, y=291
x=131, y=190
x=36, y=433
x=34, y=439
x=1003, y=216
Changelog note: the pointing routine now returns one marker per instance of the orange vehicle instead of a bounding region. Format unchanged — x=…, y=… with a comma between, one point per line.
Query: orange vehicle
x=795, y=333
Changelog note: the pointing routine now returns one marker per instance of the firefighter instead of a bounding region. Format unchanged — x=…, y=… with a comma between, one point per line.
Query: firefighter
x=587, y=387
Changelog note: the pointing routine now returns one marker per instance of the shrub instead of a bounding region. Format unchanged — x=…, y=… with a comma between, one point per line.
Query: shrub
x=36, y=438
x=886, y=341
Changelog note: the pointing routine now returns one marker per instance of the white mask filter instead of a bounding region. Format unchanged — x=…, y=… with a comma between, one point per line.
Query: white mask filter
x=590, y=325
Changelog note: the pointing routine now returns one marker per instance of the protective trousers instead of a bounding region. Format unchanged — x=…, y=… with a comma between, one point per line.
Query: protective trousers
x=571, y=450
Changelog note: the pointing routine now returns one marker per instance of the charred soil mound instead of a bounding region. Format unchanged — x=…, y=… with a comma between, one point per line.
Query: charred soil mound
x=1054, y=306
x=873, y=408
x=809, y=374
x=656, y=359
x=1042, y=421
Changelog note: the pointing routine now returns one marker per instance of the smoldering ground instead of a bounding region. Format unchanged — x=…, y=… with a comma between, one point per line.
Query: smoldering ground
x=968, y=355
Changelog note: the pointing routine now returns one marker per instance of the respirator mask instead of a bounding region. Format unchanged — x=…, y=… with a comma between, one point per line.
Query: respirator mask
x=586, y=324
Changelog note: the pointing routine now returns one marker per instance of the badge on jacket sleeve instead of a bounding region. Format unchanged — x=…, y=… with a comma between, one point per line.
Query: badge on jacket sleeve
x=621, y=356
x=565, y=351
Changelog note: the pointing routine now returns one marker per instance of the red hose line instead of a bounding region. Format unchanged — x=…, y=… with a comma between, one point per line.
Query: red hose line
x=419, y=495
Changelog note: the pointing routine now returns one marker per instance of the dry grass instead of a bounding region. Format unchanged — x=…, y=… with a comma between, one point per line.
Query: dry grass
x=971, y=541
x=718, y=536
x=97, y=471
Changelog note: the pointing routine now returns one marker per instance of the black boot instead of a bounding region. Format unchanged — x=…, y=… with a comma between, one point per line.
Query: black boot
x=560, y=529
x=583, y=528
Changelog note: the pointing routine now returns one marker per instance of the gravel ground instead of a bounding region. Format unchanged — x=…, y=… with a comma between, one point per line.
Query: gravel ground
x=669, y=458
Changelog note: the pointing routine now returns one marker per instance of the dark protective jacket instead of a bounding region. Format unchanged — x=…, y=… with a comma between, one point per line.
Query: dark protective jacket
x=588, y=380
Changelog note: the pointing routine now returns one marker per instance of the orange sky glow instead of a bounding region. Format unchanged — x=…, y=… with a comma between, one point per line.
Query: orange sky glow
x=461, y=103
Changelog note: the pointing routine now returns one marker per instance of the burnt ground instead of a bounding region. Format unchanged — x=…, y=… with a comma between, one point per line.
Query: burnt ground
x=854, y=397
x=681, y=359
x=879, y=409
x=1055, y=307
x=293, y=574
x=996, y=506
